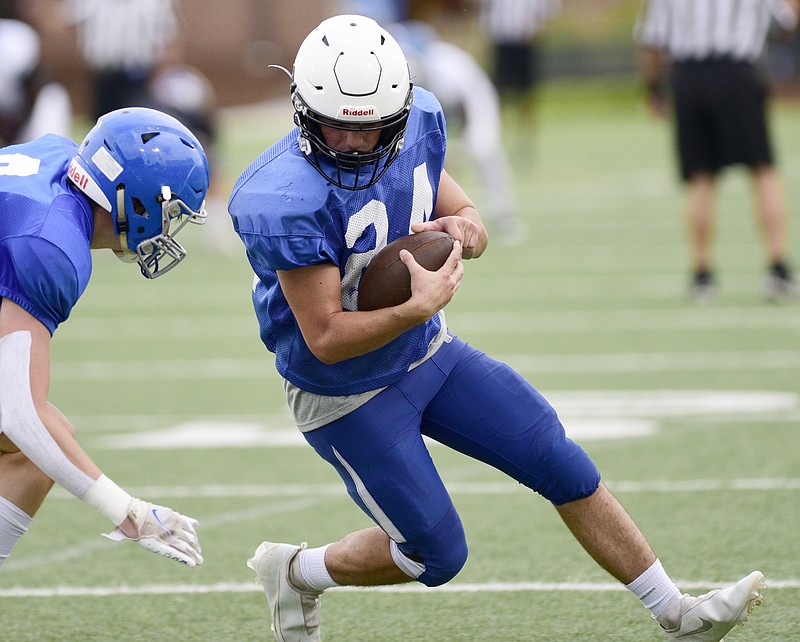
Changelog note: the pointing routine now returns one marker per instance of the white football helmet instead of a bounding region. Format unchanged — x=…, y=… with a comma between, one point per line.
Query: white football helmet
x=351, y=73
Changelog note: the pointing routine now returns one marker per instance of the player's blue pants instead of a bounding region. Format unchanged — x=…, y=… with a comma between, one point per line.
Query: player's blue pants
x=465, y=400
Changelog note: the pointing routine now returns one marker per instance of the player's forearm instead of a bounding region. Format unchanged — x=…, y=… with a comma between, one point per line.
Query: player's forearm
x=353, y=334
x=63, y=434
x=46, y=437
x=55, y=453
x=457, y=215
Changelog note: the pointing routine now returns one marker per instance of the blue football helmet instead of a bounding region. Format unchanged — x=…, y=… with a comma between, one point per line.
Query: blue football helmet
x=152, y=174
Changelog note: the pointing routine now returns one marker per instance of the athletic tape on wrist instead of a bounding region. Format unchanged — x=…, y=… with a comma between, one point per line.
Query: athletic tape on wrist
x=109, y=500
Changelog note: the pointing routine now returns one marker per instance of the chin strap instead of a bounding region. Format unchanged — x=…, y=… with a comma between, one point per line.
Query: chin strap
x=124, y=253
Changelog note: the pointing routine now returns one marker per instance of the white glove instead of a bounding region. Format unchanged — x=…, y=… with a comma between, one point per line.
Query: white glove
x=162, y=531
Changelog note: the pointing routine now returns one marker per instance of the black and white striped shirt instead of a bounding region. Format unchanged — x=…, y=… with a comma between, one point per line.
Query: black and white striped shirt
x=702, y=29
x=516, y=20
x=124, y=34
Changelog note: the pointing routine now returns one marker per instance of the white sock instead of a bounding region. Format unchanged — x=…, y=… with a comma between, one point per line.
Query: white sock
x=14, y=524
x=654, y=588
x=313, y=569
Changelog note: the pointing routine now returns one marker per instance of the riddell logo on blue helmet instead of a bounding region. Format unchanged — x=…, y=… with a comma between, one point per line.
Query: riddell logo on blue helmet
x=357, y=112
x=77, y=175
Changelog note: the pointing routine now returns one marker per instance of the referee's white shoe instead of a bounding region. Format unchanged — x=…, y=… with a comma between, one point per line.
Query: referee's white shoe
x=709, y=617
x=295, y=613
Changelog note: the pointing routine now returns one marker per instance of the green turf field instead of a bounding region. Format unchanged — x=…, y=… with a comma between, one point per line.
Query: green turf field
x=692, y=414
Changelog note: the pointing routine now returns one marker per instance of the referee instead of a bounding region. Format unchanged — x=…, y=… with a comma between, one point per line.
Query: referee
x=514, y=28
x=123, y=43
x=712, y=49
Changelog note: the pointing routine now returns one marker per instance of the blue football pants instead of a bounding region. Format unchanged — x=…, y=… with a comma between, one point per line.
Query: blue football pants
x=471, y=403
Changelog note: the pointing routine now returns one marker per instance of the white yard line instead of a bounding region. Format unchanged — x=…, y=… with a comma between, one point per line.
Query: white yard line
x=250, y=587
x=236, y=369
x=483, y=322
x=220, y=491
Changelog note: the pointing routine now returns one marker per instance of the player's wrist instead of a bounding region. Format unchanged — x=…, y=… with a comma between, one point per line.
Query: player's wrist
x=109, y=500
x=414, y=312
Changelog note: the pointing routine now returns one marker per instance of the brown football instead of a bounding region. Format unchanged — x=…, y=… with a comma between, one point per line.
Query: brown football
x=387, y=282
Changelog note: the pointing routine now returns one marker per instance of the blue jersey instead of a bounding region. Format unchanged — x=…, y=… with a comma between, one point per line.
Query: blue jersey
x=289, y=216
x=46, y=228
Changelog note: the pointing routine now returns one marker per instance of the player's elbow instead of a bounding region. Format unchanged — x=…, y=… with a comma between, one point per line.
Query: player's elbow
x=334, y=343
x=327, y=358
x=326, y=351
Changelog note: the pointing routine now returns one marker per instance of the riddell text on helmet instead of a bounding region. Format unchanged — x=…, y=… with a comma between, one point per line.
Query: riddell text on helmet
x=75, y=173
x=353, y=111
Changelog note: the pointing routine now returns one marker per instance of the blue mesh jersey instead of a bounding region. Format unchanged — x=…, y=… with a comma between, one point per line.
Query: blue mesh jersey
x=46, y=227
x=289, y=216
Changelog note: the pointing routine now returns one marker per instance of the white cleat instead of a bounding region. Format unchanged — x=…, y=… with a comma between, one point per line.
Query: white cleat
x=709, y=617
x=295, y=613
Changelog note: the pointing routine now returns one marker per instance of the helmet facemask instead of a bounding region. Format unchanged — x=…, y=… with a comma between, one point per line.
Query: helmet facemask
x=350, y=170
x=151, y=174
x=157, y=254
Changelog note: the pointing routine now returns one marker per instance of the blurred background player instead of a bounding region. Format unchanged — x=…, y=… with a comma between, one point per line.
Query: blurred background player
x=514, y=28
x=719, y=98
x=138, y=177
x=384, y=12
x=472, y=108
x=184, y=92
x=32, y=103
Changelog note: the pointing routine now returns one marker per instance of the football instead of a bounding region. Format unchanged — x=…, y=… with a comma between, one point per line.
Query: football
x=387, y=281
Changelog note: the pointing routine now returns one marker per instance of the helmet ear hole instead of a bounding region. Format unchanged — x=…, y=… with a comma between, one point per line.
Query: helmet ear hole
x=139, y=207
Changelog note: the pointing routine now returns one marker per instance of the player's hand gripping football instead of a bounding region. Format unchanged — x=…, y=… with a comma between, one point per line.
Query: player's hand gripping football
x=461, y=228
x=432, y=291
x=162, y=531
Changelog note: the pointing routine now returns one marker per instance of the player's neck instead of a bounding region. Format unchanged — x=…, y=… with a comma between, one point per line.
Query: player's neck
x=104, y=236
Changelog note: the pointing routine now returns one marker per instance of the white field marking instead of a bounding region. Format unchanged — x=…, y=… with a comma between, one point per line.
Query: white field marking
x=508, y=487
x=520, y=322
x=654, y=362
x=206, y=434
x=252, y=587
x=106, y=424
x=230, y=434
x=191, y=369
x=587, y=415
x=238, y=369
x=671, y=403
x=649, y=320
